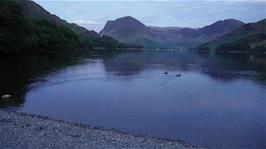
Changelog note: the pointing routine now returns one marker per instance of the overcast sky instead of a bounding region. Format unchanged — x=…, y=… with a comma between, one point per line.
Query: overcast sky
x=180, y=13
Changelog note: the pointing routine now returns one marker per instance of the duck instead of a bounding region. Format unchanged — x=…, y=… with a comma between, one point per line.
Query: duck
x=178, y=75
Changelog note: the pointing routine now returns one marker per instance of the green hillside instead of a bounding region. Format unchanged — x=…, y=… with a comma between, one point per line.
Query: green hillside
x=250, y=37
x=25, y=27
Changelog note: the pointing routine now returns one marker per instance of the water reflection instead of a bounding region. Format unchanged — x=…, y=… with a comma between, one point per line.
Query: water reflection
x=223, y=67
x=218, y=98
x=20, y=74
x=125, y=64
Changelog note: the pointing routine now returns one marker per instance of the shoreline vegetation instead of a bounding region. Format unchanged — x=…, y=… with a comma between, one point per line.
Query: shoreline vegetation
x=27, y=27
x=95, y=49
x=21, y=130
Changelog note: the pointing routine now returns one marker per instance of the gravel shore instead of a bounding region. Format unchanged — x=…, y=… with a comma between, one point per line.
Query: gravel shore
x=19, y=130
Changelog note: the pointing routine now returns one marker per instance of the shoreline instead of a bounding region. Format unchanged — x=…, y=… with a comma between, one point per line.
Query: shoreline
x=100, y=49
x=21, y=130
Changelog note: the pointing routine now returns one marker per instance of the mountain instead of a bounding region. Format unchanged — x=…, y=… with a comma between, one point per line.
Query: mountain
x=36, y=12
x=166, y=29
x=25, y=26
x=249, y=37
x=132, y=31
x=129, y=30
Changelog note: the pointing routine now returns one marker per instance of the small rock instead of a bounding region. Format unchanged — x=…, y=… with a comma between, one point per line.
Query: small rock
x=165, y=72
x=5, y=97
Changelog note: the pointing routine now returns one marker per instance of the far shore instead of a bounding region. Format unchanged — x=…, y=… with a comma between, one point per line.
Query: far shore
x=48, y=51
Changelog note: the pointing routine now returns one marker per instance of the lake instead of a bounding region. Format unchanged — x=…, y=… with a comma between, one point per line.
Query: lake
x=219, y=101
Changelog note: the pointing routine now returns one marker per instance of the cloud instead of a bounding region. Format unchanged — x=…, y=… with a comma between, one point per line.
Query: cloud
x=85, y=22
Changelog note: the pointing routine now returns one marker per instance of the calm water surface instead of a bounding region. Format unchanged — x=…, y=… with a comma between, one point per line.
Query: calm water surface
x=219, y=101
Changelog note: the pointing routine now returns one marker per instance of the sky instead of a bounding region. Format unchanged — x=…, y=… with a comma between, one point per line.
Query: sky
x=162, y=13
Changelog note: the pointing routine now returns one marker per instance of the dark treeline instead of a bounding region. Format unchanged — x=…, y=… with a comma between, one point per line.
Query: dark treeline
x=19, y=33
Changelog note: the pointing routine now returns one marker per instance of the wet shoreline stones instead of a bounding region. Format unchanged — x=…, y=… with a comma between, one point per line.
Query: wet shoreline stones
x=31, y=131
x=6, y=97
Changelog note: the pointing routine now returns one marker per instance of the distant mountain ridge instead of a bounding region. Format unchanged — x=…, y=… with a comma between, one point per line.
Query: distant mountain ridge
x=27, y=25
x=166, y=29
x=249, y=37
x=132, y=31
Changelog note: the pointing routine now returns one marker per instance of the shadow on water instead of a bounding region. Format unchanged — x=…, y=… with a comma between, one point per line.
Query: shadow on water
x=19, y=72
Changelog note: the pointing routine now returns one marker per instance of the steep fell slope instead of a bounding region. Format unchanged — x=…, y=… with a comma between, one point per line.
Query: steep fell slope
x=131, y=30
x=26, y=26
x=250, y=37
